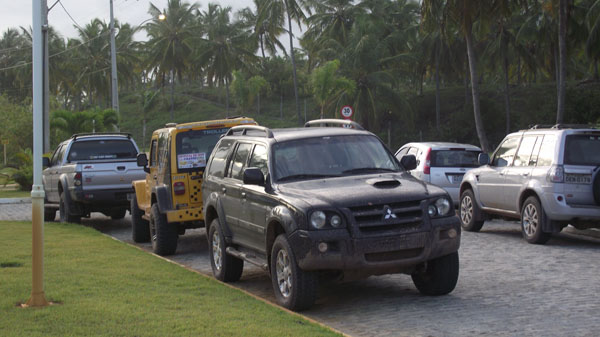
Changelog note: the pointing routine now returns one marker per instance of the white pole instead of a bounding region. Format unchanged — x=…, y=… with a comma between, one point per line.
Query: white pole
x=46, y=38
x=38, y=298
x=113, y=63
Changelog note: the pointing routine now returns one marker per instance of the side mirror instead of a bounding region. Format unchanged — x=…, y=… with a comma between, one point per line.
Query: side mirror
x=483, y=159
x=142, y=161
x=45, y=162
x=254, y=176
x=409, y=162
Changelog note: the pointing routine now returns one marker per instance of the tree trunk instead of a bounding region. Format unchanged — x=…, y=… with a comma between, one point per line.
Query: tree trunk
x=226, y=98
x=466, y=82
x=519, y=72
x=506, y=93
x=300, y=122
x=475, y=91
x=555, y=53
x=562, y=49
x=262, y=47
x=437, y=87
x=172, y=96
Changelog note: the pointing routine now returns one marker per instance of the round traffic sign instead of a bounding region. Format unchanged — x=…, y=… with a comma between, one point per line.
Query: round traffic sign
x=347, y=112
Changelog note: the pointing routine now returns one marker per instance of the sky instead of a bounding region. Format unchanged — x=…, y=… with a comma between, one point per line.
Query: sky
x=17, y=13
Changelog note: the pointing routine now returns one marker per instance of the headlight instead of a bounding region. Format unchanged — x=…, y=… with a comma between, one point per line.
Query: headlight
x=336, y=221
x=443, y=206
x=317, y=219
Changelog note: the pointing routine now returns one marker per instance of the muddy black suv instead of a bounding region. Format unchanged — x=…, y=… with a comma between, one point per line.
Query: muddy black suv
x=311, y=203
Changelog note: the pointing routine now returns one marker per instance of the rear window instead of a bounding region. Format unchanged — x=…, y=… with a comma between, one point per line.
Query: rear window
x=454, y=158
x=101, y=150
x=582, y=150
x=195, y=146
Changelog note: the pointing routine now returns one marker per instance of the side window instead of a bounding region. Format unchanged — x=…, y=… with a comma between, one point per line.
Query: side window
x=259, y=159
x=163, y=145
x=506, y=152
x=546, y=154
x=525, y=150
x=153, y=151
x=57, y=156
x=413, y=150
x=219, y=159
x=401, y=152
x=239, y=160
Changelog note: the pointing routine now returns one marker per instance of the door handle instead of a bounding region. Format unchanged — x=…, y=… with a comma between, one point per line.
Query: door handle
x=525, y=174
x=244, y=195
x=501, y=173
x=223, y=190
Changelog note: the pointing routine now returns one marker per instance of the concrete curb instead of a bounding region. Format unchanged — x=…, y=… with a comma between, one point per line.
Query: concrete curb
x=15, y=201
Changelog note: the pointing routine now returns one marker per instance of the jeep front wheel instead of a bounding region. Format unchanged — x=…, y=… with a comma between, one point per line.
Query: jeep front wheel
x=225, y=267
x=140, y=229
x=439, y=276
x=294, y=288
x=532, y=220
x=469, y=212
x=163, y=235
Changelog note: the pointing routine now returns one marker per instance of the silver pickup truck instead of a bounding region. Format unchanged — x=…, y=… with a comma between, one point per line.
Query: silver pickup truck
x=90, y=173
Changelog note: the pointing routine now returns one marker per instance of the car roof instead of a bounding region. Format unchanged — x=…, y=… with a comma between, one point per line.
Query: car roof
x=281, y=135
x=443, y=145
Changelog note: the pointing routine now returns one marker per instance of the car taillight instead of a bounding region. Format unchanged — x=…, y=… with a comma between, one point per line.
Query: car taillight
x=77, y=179
x=427, y=168
x=179, y=188
x=556, y=174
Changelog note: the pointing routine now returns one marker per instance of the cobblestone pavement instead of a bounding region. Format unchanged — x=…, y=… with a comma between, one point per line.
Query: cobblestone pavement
x=506, y=286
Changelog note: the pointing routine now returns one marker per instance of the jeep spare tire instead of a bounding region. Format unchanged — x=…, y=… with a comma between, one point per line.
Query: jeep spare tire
x=596, y=186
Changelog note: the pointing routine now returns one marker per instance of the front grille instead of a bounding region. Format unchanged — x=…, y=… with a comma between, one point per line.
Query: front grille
x=392, y=217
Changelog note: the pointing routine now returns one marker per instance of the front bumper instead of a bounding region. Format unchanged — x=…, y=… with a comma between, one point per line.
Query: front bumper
x=375, y=255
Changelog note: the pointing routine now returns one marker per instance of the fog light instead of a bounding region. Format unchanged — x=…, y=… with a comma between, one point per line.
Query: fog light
x=336, y=221
x=452, y=233
x=323, y=247
x=432, y=210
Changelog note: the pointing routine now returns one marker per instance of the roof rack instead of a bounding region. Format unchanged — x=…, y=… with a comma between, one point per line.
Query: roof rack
x=74, y=136
x=562, y=126
x=242, y=130
x=170, y=125
x=333, y=122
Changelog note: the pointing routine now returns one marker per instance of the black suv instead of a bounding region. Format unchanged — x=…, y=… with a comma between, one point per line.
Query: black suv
x=321, y=201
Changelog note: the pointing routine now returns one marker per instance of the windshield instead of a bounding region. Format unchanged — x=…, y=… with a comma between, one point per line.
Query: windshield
x=193, y=147
x=582, y=150
x=101, y=150
x=454, y=158
x=331, y=157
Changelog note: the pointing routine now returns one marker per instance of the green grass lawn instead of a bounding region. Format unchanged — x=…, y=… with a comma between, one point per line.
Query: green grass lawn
x=14, y=194
x=104, y=287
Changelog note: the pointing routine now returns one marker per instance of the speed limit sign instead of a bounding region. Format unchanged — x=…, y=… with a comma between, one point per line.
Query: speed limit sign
x=347, y=112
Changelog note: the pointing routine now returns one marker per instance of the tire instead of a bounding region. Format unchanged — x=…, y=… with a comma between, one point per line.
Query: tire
x=163, y=235
x=439, y=277
x=469, y=211
x=533, y=218
x=64, y=209
x=294, y=288
x=118, y=214
x=225, y=267
x=140, y=228
x=49, y=214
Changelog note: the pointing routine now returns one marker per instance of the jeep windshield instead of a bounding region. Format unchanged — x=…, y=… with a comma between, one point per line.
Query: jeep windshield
x=583, y=150
x=195, y=146
x=331, y=156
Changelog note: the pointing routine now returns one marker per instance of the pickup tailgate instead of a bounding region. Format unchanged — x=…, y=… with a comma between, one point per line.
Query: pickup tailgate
x=113, y=175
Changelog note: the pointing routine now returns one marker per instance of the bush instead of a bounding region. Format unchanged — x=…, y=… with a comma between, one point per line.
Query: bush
x=24, y=174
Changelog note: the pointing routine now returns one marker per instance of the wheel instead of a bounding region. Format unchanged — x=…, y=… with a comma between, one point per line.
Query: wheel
x=118, y=214
x=163, y=235
x=225, y=267
x=140, y=228
x=294, y=288
x=439, y=277
x=532, y=220
x=64, y=209
x=469, y=211
x=49, y=214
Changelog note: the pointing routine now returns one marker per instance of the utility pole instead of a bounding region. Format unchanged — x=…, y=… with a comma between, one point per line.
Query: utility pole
x=46, y=113
x=37, y=299
x=113, y=63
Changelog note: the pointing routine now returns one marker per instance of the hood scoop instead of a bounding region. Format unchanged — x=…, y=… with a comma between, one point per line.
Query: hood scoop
x=383, y=182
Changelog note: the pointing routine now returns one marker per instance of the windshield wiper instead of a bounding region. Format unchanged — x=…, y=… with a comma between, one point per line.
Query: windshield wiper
x=307, y=176
x=368, y=169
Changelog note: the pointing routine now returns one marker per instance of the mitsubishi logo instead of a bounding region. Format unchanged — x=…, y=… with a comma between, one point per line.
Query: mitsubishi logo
x=387, y=213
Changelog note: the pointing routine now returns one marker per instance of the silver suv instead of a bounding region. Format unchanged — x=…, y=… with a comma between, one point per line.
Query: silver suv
x=442, y=164
x=548, y=177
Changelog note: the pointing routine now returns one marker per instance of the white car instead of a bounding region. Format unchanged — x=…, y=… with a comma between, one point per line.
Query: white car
x=442, y=164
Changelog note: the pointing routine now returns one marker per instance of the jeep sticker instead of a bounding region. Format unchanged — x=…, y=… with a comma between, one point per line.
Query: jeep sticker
x=191, y=160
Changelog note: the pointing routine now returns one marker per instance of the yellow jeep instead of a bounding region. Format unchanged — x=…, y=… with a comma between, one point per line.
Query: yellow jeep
x=169, y=200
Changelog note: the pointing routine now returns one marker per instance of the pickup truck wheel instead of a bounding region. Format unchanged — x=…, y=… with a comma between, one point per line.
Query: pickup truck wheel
x=225, y=267
x=118, y=214
x=64, y=209
x=140, y=228
x=49, y=214
x=164, y=235
x=439, y=277
x=532, y=220
x=294, y=288
x=469, y=211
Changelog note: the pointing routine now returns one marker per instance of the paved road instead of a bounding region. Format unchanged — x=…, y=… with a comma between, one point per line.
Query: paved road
x=506, y=287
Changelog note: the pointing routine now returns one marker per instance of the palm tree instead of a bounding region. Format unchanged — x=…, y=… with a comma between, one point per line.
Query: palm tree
x=592, y=45
x=267, y=28
x=562, y=60
x=328, y=86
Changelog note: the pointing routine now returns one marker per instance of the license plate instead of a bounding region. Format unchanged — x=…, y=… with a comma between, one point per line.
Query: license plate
x=456, y=178
x=578, y=178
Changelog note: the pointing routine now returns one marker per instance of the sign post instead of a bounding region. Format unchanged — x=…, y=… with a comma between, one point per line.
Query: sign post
x=347, y=112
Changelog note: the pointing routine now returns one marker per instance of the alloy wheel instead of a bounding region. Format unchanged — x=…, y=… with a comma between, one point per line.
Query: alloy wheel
x=216, y=250
x=466, y=209
x=284, y=273
x=530, y=219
